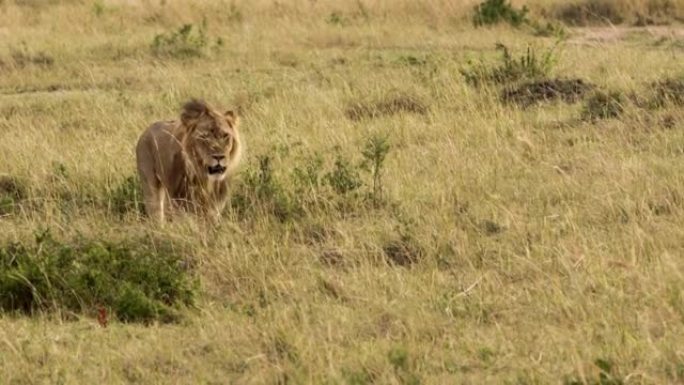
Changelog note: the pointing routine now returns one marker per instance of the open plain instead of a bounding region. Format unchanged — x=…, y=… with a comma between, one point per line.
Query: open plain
x=426, y=198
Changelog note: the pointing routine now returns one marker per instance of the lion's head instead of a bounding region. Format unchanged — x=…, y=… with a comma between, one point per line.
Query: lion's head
x=211, y=141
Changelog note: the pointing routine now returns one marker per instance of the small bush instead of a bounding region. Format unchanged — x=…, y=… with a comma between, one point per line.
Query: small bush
x=375, y=151
x=136, y=280
x=531, y=65
x=529, y=93
x=495, y=11
x=315, y=184
x=390, y=105
x=308, y=178
x=262, y=191
x=549, y=29
x=604, y=105
x=186, y=42
x=343, y=178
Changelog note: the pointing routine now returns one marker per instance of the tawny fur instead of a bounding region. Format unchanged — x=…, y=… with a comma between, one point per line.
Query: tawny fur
x=175, y=161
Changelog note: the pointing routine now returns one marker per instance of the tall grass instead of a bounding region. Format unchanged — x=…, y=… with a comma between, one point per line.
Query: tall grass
x=488, y=243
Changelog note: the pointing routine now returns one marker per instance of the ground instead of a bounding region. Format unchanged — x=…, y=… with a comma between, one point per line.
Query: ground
x=509, y=244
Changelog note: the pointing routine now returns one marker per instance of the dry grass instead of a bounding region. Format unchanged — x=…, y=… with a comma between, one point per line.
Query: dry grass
x=524, y=246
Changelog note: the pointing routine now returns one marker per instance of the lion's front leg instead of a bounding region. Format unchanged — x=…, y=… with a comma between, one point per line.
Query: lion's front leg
x=215, y=208
x=153, y=196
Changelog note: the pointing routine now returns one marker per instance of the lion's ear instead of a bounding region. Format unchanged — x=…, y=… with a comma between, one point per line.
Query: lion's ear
x=192, y=111
x=233, y=118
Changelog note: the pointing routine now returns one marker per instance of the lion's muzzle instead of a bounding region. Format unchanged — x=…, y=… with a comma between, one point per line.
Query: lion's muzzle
x=216, y=170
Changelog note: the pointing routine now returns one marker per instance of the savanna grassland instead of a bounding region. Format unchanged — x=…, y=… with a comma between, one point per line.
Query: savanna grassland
x=430, y=195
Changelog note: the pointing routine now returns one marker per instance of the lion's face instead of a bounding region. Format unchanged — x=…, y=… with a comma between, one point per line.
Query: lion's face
x=211, y=138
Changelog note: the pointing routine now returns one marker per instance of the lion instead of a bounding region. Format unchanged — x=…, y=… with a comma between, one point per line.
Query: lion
x=187, y=164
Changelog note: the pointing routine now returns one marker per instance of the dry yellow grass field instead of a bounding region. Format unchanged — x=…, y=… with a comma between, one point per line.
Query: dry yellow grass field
x=510, y=245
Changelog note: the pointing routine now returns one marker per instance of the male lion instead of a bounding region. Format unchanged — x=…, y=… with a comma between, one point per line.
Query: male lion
x=188, y=163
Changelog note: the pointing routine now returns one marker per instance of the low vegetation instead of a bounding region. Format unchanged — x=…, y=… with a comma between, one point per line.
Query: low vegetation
x=604, y=105
x=131, y=281
x=533, y=92
x=530, y=65
x=188, y=41
x=433, y=192
x=633, y=12
x=495, y=11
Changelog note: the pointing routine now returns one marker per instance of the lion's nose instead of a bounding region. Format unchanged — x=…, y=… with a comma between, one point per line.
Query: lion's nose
x=219, y=157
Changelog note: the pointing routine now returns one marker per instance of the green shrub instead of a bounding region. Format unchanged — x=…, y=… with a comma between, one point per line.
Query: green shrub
x=374, y=153
x=314, y=185
x=549, y=29
x=186, y=42
x=262, y=192
x=136, y=280
x=529, y=66
x=495, y=11
x=344, y=178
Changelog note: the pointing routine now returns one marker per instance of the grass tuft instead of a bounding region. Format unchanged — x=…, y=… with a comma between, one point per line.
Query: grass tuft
x=390, y=105
x=604, y=105
x=533, y=92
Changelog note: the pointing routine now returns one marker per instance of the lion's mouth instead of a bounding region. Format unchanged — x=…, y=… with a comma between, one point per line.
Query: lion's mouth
x=216, y=170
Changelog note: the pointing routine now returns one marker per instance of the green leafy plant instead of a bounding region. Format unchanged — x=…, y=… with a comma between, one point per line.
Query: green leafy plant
x=343, y=178
x=262, y=191
x=135, y=280
x=530, y=65
x=186, y=42
x=495, y=11
x=374, y=152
